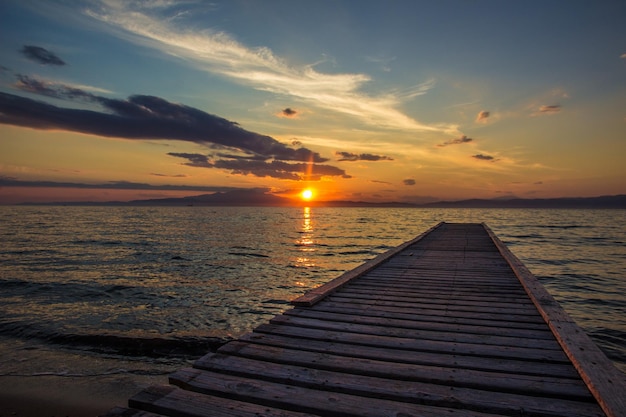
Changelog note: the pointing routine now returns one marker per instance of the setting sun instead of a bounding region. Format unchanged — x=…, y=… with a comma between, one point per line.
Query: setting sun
x=307, y=194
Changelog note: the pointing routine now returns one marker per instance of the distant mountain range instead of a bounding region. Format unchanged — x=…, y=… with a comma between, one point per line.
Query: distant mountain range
x=612, y=202
x=260, y=198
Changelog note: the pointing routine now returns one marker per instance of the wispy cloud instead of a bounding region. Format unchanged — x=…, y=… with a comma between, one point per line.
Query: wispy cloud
x=484, y=157
x=482, y=116
x=156, y=174
x=260, y=68
x=56, y=89
x=548, y=109
x=458, y=141
x=41, y=55
x=352, y=157
x=409, y=181
x=383, y=61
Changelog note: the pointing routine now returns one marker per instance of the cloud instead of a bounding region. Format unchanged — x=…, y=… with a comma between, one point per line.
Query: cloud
x=484, y=157
x=409, y=181
x=52, y=89
x=111, y=185
x=154, y=174
x=260, y=68
x=458, y=141
x=559, y=93
x=288, y=112
x=549, y=109
x=56, y=89
x=41, y=55
x=273, y=169
x=482, y=116
x=348, y=156
x=139, y=117
x=623, y=56
x=384, y=62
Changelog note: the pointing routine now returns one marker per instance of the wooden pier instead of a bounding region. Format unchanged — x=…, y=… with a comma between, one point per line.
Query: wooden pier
x=450, y=323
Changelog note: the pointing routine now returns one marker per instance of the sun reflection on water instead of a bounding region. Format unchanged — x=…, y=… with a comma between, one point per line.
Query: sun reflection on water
x=306, y=242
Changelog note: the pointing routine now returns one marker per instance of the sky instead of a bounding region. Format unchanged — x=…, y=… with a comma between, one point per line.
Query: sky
x=379, y=101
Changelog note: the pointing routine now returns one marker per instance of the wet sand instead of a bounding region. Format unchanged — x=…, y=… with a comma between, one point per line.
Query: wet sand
x=54, y=396
x=39, y=380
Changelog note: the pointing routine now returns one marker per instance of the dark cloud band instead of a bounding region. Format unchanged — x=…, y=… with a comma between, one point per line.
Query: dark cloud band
x=273, y=169
x=139, y=117
x=41, y=55
x=352, y=157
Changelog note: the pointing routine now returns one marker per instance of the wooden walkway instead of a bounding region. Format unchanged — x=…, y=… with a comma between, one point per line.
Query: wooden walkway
x=450, y=323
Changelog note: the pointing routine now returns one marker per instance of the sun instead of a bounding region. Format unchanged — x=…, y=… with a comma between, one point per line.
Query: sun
x=307, y=194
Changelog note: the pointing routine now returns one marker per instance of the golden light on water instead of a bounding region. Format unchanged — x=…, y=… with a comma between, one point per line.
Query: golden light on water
x=305, y=243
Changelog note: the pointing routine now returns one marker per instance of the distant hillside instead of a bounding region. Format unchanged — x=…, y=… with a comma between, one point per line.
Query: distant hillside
x=259, y=197
x=229, y=198
x=609, y=202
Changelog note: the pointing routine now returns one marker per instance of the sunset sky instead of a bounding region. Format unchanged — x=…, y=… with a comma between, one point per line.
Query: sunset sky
x=409, y=101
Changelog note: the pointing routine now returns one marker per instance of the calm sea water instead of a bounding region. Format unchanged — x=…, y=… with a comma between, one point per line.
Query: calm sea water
x=97, y=291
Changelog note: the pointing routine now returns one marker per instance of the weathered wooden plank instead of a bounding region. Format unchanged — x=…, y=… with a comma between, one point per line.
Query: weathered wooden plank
x=466, y=283
x=173, y=401
x=417, y=297
x=348, y=298
x=475, y=291
x=469, y=291
x=420, y=298
x=322, y=403
x=457, y=290
x=452, y=296
x=443, y=359
x=390, y=281
x=474, y=349
x=378, y=330
x=445, y=281
x=564, y=388
x=392, y=389
x=433, y=311
x=420, y=325
x=605, y=381
x=441, y=268
x=440, y=262
x=435, y=317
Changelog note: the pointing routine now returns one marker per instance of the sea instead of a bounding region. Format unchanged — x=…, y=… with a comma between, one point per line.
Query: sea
x=119, y=297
